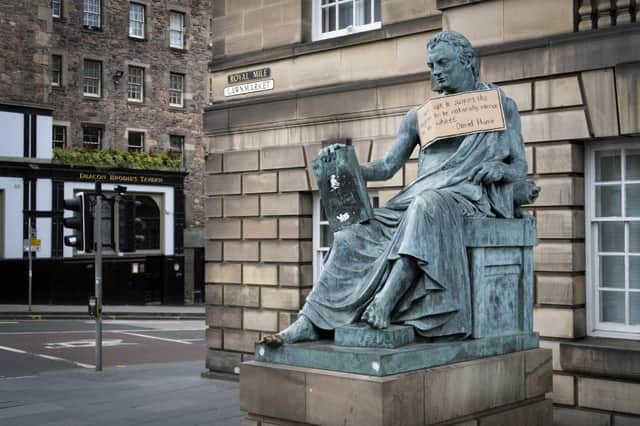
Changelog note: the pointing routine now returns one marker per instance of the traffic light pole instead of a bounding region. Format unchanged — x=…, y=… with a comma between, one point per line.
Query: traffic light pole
x=98, y=271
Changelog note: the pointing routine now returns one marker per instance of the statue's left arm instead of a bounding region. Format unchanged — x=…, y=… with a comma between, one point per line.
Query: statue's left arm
x=513, y=168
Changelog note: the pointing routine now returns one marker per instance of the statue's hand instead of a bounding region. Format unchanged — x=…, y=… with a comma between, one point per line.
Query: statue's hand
x=490, y=172
x=328, y=153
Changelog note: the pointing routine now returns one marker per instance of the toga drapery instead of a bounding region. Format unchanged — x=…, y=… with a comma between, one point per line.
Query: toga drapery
x=424, y=221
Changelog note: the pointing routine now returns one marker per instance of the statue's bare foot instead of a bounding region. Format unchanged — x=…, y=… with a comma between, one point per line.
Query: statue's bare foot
x=377, y=315
x=301, y=330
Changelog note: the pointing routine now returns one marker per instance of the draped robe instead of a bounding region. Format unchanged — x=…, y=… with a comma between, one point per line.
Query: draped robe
x=424, y=221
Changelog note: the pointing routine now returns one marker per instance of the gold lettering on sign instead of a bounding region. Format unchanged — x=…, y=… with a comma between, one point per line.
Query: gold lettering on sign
x=113, y=177
x=460, y=114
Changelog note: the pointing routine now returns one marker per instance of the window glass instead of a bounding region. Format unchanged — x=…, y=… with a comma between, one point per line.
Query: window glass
x=340, y=17
x=136, y=20
x=56, y=70
x=91, y=13
x=608, y=201
x=135, y=84
x=56, y=8
x=148, y=211
x=92, y=137
x=176, y=30
x=59, y=136
x=614, y=212
x=176, y=147
x=608, y=165
x=136, y=141
x=176, y=89
x=92, y=78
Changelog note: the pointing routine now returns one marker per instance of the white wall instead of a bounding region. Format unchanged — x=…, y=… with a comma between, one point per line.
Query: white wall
x=166, y=192
x=44, y=147
x=12, y=135
x=43, y=224
x=12, y=188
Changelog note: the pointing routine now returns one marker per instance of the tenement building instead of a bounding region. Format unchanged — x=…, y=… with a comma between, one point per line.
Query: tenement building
x=98, y=84
x=287, y=75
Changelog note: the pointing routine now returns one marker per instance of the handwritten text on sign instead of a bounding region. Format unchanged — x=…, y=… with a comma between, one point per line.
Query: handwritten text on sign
x=460, y=114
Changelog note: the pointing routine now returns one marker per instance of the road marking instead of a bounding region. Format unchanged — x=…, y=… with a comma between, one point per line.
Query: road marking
x=18, y=351
x=165, y=339
x=50, y=357
x=8, y=322
x=86, y=343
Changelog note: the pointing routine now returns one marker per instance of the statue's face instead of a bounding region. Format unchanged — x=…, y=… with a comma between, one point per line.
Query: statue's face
x=448, y=72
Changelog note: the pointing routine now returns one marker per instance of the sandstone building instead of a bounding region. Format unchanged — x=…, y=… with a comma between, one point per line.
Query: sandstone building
x=126, y=76
x=289, y=74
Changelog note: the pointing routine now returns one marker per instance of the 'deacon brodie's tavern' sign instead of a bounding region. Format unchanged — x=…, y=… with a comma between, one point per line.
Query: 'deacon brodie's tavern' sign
x=250, y=81
x=120, y=178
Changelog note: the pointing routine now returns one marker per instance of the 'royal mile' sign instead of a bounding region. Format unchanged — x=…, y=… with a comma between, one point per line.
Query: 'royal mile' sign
x=249, y=82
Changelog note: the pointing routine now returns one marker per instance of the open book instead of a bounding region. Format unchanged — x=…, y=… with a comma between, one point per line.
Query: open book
x=343, y=192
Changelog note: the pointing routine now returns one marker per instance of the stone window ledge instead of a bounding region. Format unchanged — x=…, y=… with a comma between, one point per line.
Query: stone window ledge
x=599, y=356
x=448, y=4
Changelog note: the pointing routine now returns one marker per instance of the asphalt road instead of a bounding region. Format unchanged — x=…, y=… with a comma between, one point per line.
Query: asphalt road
x=32, y=347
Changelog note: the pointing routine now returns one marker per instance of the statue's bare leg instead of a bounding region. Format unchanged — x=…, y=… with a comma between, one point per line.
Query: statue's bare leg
x=403, y=272
x=301, y=330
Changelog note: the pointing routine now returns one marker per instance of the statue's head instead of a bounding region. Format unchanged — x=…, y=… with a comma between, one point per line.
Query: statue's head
x=453, y=62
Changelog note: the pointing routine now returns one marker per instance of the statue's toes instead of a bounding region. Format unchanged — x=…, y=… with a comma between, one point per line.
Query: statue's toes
x=271, y=340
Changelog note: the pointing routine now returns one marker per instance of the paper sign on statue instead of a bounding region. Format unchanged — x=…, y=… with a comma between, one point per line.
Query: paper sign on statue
x=460, y=114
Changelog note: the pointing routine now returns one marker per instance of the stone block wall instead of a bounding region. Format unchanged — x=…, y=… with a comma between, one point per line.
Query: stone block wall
x=25, y=40
x=258, y=250
x=112, y=46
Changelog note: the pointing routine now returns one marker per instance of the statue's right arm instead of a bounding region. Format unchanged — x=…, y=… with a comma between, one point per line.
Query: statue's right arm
x=398, y=153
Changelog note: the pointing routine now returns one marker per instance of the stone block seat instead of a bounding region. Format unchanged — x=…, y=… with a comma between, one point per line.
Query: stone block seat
x=497, y=376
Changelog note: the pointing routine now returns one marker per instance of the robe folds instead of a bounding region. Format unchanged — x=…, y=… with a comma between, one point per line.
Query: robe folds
x=425, y=221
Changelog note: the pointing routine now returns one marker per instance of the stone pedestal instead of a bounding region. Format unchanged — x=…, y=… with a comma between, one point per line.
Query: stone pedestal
x=500, y=390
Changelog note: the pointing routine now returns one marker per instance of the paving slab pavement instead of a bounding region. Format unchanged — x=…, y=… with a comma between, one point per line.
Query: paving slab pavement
x=151, y=394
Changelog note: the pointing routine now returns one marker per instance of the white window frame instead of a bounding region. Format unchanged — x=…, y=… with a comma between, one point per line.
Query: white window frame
x=55, y=82
x=178, y=32
x=137, y=17
x=179, y=91
x=136, y=148
x=92, y=14
x=56, y=8
x=135, y=87
x=594, y=326
x=316, y=17
x=92, y=79
x=64, y=136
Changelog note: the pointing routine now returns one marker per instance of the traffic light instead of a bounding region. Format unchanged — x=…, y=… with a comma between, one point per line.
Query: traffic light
x=130, y=228
x=81, y=222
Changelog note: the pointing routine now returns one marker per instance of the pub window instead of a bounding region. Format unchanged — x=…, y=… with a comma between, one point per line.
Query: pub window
x=56, y=70
x=136, y=20
x=59, y=136
x=136, y=141
x=176, y=147
x=92, y=78
x=613, y=238
x=148, y=210
x=176, y=30
x=92, y=14
x=176, y=90
x=56, y=8
x=135, y=84
x=92, y=137
x=335, y=18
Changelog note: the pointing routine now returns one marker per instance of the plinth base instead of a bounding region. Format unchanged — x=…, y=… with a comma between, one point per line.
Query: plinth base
x=506, y=390
x=326, y=355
